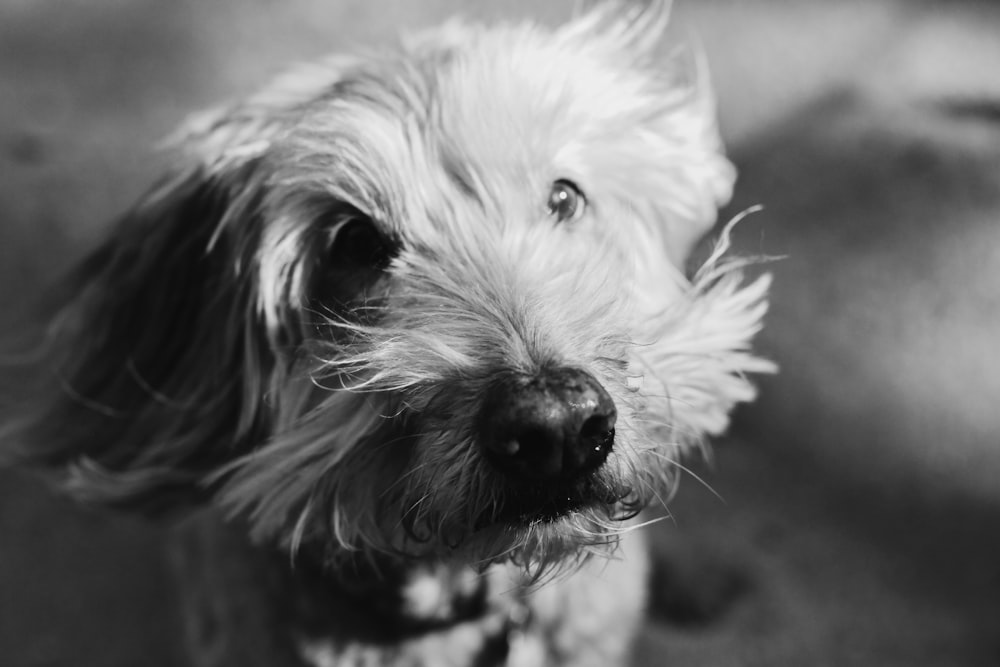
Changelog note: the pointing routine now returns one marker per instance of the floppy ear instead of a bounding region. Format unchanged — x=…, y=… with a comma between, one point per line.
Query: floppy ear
x=152, y=364
x=156, y=359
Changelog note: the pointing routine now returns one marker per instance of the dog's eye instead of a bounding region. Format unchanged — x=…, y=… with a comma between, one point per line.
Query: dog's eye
x=358, y=242
x=566, y=202
x=356, y=257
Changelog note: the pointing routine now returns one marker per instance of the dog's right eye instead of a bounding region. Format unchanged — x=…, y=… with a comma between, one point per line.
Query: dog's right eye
x=356, y=256
x=358, y=243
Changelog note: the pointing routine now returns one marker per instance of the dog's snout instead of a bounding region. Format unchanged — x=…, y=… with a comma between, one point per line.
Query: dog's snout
x=558, y=424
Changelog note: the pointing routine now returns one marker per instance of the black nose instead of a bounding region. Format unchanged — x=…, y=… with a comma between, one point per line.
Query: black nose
x=556, y=425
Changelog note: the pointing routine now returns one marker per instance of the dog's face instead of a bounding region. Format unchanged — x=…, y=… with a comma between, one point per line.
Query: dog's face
x=427, y=303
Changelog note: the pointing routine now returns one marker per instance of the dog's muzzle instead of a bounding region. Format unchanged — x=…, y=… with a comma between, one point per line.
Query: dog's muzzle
x=554, y=427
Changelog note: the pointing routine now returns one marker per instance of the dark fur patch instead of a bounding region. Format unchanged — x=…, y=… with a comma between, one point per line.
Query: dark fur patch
x=147, y=377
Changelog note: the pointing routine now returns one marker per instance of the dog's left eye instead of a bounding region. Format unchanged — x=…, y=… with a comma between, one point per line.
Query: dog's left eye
x=566, y=201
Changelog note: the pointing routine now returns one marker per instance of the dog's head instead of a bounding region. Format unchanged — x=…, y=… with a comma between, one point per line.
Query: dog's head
x=428, y=302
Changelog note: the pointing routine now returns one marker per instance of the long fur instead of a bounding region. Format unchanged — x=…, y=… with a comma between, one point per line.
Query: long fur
x=199, y=356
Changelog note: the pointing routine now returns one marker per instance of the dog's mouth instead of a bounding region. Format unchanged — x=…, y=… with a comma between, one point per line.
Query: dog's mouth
x=525, y=505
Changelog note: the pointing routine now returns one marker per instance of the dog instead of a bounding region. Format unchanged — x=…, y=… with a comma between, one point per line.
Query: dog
x=405, y=343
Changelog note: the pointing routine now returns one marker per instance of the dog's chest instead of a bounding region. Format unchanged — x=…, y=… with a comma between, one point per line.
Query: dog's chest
x=508, y=624
x=241, y=608
x=433, y=615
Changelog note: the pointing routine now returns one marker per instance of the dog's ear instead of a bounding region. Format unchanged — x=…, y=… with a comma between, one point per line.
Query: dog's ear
x=150, y=361
x=636, y=28
x=156, y=363
x=681, y=115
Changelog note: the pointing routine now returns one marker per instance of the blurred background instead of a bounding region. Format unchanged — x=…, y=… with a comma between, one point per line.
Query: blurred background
x=855, y=517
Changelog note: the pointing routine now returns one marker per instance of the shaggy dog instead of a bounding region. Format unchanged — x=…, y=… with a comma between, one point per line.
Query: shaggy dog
x=406, y=342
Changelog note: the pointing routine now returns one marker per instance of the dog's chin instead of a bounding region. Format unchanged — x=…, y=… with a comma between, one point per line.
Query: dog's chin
x=547, y=526
x=530, y=504
x=536, y=525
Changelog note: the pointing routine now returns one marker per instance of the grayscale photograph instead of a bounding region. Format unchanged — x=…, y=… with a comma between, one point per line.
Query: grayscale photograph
x=498, y=333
